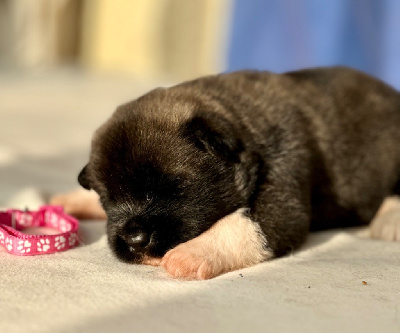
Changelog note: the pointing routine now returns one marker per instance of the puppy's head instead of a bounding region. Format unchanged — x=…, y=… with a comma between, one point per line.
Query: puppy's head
x=166, y=169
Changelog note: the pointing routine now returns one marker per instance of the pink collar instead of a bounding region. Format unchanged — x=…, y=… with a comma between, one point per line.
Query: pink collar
x=18, y=243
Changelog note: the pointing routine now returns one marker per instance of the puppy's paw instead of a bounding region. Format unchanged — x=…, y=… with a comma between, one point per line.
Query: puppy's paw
x=386, y=224
x=191, y=262
x=232, y=243
x=81, y=203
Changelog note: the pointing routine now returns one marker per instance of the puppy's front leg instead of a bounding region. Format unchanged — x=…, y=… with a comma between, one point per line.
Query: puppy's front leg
x=81, y=203
x=277, y=222
x=284, y=214
x=231, y=243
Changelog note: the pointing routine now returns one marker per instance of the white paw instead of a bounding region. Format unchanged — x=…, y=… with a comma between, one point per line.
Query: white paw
x=63, y=225
x=25, y=219
x=9, y=244
x=386, y=226
x=232, y=243
x=73, y=238
x=60, y=242
x=43, y=245
x=191, y=262
x=24, y=246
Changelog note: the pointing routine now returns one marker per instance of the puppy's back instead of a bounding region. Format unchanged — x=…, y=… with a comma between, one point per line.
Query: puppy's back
x=349, y=120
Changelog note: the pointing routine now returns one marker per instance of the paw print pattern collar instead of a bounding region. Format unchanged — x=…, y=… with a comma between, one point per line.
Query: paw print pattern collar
x=18, y=243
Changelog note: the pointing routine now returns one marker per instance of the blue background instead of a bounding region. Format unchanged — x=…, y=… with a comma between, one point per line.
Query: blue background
x=281, y=35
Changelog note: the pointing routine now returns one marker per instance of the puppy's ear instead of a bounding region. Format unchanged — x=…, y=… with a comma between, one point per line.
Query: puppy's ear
x=215, y=134
x=83, y=179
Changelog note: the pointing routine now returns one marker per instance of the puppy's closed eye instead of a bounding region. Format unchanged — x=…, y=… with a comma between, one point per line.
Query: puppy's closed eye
x=215, y=134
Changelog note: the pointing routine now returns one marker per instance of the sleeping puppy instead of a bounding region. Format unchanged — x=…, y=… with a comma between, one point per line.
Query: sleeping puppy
x=226, y=171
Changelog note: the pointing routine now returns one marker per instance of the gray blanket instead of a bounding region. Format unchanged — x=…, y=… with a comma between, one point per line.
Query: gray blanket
x=339, y=281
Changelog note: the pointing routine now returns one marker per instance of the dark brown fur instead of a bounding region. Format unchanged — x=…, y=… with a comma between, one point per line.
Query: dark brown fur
x=315, y=148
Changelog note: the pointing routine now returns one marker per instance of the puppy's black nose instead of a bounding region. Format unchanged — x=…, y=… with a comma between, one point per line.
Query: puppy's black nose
x=137, y=241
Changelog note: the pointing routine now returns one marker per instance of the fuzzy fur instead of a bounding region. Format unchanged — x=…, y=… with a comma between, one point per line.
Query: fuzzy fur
x=311, y=149
x=232, y=243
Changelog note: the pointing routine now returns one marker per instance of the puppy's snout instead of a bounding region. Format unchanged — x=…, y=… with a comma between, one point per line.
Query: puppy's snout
x=136, y=240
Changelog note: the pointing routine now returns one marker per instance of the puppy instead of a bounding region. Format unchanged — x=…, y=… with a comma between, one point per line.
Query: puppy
x=229, y=170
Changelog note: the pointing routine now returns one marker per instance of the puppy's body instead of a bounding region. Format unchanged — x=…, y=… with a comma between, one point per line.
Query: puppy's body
x=312, y=149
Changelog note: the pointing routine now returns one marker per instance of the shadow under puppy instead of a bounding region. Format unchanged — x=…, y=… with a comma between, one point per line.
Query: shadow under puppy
x=226, y=171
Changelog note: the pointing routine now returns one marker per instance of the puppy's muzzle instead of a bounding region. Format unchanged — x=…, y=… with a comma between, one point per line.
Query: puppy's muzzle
x=137, y=241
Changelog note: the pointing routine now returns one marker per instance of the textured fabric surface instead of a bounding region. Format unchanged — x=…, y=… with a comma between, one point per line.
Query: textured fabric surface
x=45, y=128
